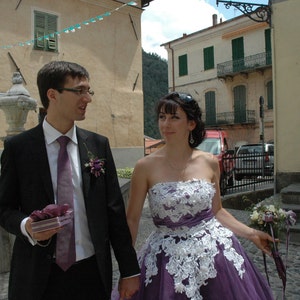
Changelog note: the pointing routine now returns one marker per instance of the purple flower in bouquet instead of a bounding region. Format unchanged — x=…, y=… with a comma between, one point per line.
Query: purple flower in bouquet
x=271, y=218
x=264, y=214
x=95, y=165
x=290, y=218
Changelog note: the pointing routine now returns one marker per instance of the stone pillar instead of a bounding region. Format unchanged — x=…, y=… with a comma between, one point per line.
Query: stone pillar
x=16, y=104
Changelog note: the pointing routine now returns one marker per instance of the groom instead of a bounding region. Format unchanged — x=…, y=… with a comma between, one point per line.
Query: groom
x=29, y=182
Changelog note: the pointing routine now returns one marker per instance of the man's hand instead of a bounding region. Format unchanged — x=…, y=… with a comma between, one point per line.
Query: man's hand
x=40, y=236
x=128, y=287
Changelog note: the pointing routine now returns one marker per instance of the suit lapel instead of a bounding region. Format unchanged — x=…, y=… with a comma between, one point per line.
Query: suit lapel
x=39, y=151
x=83, y=147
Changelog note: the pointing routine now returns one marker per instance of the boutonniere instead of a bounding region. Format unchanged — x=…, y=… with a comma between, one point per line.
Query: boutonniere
x=95, y=165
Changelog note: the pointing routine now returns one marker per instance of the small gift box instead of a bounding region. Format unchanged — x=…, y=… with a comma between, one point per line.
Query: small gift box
x=51, y=217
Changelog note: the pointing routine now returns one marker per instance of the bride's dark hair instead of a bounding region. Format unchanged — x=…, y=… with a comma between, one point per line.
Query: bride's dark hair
x=169, y=104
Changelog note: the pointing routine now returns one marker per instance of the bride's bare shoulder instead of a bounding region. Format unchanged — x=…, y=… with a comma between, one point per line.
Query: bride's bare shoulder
x=206, y=156
x=150, y=160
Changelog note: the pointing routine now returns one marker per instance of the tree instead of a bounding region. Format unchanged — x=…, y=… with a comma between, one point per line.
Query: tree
x=155, y=85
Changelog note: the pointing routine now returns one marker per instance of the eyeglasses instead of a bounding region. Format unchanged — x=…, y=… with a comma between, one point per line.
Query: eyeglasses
x=79, y=92
x=181, y=96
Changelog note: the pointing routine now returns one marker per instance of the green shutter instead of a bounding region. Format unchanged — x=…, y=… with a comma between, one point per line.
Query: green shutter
x=270, y=94
x=45, y=25
x=208, y=56
x=39, y=23
x=210, y=108
x=238, y=54
x=268, y=46
x=183, y=68
x=239, y=93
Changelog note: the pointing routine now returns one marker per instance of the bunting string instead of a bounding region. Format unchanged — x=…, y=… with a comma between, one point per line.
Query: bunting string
x=69, y=29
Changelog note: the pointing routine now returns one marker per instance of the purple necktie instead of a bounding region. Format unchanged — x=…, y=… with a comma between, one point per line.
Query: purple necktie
x=65, y=243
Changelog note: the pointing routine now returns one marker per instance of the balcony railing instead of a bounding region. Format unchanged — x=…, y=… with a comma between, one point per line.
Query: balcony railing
x=246, y=64
x=230, y=118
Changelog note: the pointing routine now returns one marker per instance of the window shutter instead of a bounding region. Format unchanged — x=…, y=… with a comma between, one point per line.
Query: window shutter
x=183, y=68
x=239, y=93
x=39, y=21
x=45, y=25
x=238, y=54
x=270, y=94
x=210, y=108
x=52, y=28
x=208, y=57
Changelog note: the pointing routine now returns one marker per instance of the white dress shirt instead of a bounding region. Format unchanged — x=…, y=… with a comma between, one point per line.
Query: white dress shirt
x=84, y=246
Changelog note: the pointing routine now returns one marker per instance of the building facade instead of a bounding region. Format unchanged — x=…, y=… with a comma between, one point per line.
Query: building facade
x=103, y=36
x=227, y=68
x=286, y=56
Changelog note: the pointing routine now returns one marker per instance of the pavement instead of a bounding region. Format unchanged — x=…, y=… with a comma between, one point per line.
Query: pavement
x=293, y=259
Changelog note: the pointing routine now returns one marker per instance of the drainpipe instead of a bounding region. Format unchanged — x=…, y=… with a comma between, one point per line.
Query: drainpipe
x=172, y=67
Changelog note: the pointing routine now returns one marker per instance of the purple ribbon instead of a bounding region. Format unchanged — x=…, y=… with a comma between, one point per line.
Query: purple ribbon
x=50, y=211
x=187, y=220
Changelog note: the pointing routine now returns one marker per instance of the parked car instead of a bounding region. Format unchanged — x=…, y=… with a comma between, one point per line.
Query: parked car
x=251, y=161
x=215, y=142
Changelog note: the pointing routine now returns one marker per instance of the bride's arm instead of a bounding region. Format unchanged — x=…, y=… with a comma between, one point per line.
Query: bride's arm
x=137, y=196
x=259, y=238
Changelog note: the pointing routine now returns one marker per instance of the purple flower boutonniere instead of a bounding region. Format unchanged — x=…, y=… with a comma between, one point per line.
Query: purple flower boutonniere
x=95, y=165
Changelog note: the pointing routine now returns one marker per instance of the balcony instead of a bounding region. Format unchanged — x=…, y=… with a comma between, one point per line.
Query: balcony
x=230, y=118
x=248, y=64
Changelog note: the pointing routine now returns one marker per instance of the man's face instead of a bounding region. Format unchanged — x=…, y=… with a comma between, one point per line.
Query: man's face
x=71, y=101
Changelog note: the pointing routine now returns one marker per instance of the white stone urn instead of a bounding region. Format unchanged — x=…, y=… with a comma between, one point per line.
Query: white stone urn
x=16, y=104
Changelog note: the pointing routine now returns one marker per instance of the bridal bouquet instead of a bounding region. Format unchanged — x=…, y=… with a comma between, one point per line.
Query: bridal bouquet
x=264, y=215
x=271, y=218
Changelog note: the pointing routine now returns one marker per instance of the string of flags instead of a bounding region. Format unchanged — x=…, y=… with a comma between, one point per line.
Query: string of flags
x=69, y=29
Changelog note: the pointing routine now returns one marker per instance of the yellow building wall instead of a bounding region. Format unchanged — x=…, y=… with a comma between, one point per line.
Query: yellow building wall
x=109, y=49
x=286, y=55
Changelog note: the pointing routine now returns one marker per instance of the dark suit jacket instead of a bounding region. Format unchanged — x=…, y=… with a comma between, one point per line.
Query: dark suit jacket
x=25, y=186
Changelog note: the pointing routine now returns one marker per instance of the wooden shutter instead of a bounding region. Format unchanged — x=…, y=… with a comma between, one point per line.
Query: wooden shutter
x=208, y=56
x=45, y=25
x=39, y=24
x=183, y=68
x=210, y=108
x=239, y=104
x=52, y=28
x=238, y=54
x=268, y=46
x=270, y=94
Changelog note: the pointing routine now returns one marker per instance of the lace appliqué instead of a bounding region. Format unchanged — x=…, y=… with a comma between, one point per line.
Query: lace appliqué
x=191, y=251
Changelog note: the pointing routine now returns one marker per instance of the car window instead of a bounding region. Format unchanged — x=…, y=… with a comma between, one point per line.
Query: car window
x=211, y=145
x=243, y=151
x=256, y=149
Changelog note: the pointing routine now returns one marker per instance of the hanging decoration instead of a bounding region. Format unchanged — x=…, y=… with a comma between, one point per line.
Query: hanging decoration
x=69, y=29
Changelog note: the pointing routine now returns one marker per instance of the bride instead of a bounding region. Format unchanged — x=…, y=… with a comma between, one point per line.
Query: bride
x=193, y=253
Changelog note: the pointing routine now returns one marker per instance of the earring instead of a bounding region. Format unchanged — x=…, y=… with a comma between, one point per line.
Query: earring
x=191, y=138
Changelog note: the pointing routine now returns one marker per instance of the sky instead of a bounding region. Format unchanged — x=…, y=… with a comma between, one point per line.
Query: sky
x=166, y=20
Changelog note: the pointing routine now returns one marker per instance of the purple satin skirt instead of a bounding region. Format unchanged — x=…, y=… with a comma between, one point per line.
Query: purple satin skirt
x=226, y=285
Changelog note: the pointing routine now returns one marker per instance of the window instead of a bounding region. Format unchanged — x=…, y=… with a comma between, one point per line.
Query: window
x=208, y=55
x=238, y=54
x=182, y=61
x=270, y=94
x=268, y=46
x=45, y=25
x=239, y=94
x=210, y=108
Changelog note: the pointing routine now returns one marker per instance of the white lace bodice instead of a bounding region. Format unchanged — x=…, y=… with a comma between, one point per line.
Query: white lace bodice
x=188, y=235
